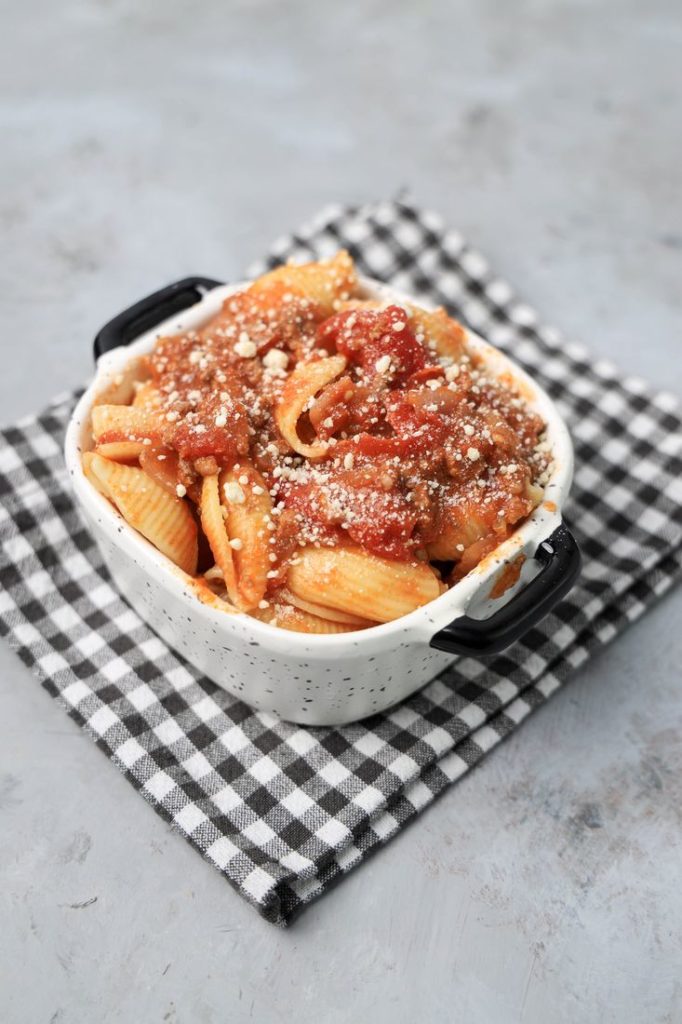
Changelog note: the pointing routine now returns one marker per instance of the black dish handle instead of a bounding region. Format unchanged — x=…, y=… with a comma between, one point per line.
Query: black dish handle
x=149, y=312
x=560, y=556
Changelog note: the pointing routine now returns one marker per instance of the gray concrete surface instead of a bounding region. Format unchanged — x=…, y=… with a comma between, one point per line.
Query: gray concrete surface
x=141, y=142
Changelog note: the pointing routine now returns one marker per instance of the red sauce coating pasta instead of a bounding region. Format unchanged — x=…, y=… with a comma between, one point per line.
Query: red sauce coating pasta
x=421, y=456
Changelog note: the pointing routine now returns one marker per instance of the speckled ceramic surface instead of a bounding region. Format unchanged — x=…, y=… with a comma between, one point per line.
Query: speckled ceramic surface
x=316, y=680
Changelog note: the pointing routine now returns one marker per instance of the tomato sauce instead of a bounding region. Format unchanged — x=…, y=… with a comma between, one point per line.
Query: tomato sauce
x=424, y=455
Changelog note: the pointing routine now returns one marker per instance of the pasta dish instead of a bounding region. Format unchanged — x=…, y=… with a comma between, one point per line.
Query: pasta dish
x=320, y=460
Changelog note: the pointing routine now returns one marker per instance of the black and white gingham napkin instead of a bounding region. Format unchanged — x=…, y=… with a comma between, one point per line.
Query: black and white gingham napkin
x=282, y=811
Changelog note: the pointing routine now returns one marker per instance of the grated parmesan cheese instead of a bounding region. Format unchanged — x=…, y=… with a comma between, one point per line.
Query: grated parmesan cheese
x=233, y=493
x=245, y=347
x=275, y=359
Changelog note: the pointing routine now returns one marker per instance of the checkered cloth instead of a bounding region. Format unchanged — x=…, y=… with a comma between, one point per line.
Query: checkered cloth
x=280, y=810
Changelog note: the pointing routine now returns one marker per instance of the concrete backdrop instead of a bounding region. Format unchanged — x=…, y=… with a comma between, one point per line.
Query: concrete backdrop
x=142, y=142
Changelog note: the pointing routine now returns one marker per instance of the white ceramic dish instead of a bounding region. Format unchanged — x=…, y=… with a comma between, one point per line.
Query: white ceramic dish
x=332, y=679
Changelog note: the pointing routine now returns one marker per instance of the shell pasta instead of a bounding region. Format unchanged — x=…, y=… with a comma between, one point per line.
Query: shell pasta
x=317, y=459
x=165, y=521
x=353, y=580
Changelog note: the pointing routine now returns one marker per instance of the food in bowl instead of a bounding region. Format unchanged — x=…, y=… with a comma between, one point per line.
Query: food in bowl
x=316, y=458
